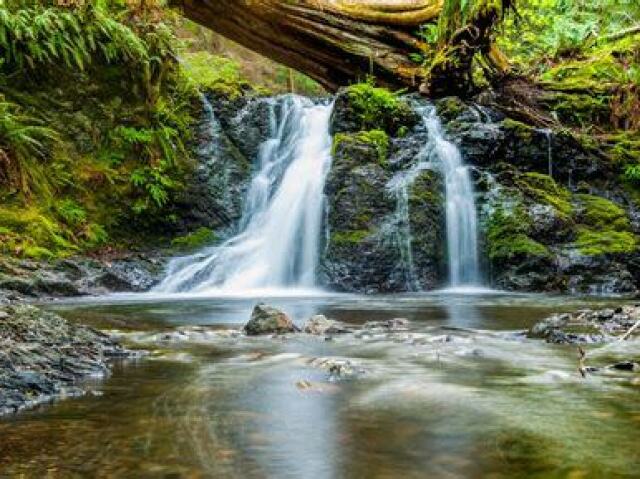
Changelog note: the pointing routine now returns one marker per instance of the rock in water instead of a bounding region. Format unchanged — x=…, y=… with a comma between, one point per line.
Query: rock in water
x=319, y=325
x=43, y=357
x=268, y=320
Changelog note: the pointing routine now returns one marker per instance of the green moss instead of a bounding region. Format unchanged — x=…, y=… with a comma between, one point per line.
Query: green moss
x=600, y=213
x=518, y=129
x=377, y=108
x=507, y=235
x=375, y=138
x=30, y=232
x=350, y=237
x=192, y=241
x=37, y=252
x=215, y=73
x=543, y=189
x=594, y=243
x=450, y=108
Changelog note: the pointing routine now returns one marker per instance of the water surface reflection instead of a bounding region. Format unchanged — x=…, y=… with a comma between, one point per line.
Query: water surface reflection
x=458, y=395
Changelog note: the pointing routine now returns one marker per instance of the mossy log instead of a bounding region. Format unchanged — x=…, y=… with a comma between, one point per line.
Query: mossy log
x=337, y=42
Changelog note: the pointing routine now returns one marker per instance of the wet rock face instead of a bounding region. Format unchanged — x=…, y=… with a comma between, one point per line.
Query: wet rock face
x=268, y=320
x=228, y=140
x=79, y=276
x=43, y=357
x=374, y=244
x=553, y=213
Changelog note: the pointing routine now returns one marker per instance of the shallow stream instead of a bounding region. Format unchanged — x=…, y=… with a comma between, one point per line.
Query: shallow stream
x=458, y=395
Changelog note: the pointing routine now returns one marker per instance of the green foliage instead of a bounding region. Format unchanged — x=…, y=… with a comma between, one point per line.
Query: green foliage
x=429, y=33
x=71, y=212
x=215, y=73
x=94, y=235
x=543, y=31
x=31, y=37
x=195, y=240
x=95, y=114
x=632, y=174
x=154, y=186
x=30, y=232
x=24, y=144
x=377, y=108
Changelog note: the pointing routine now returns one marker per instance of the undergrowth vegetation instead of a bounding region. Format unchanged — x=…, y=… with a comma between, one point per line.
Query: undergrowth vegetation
x=95, y=120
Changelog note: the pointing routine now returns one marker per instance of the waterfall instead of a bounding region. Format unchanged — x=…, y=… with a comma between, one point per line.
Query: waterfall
x=281, y=225
x=548, y=135
x=401, y=222
x=462, y=223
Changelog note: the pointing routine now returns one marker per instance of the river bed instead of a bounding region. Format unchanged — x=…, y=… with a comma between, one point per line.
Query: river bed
x=459, y=395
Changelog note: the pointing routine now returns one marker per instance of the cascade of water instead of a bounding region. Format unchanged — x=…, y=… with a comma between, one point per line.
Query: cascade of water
x=401, y=223
x=281, y=226
x=547, y=134
x=462, y=230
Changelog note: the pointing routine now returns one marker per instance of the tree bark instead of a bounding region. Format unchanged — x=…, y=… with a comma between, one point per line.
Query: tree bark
x=337, y=42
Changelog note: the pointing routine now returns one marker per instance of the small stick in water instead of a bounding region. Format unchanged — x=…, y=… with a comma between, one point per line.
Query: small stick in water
x=581, y=357
x=631, y=330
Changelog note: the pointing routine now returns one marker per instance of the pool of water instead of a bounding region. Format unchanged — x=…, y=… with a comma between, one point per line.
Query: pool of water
x=459, y=395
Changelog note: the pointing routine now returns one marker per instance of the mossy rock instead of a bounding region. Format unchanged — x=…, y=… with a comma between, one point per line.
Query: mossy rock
x=600, y=213
x=193, y=241
x=365, y=107
x=521, y=131
x=596, y=243
x=450, y=108
x=363, y=140
x=507, y=237
x=543, y=189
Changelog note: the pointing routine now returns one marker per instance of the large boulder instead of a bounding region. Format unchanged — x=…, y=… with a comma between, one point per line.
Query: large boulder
x=268, y=320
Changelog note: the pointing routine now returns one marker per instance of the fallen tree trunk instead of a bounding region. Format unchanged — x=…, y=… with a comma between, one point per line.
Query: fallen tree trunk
x=337, y=42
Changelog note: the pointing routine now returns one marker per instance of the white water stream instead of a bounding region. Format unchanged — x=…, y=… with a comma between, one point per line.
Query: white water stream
x=462, y=222
x=281, y=227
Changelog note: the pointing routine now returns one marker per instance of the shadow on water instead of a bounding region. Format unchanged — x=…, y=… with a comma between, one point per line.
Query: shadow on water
x=458, y=395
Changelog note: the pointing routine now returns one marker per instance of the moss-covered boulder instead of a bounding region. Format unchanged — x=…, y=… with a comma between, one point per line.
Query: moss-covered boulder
x=385, y=218
x=358, y=203
x=538, y=235
x=364, y=107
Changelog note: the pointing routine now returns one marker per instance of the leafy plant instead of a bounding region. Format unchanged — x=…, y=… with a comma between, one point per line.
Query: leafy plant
x=154, y=184
x=71, y=212
x=24, y=144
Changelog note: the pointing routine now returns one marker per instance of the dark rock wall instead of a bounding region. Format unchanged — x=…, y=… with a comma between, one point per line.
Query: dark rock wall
x=555, y=215
x=366, y=250
x=227, y=143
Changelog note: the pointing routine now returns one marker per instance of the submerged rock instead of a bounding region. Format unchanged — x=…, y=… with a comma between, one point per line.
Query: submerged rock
x=395, y=324
x=269, y=320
